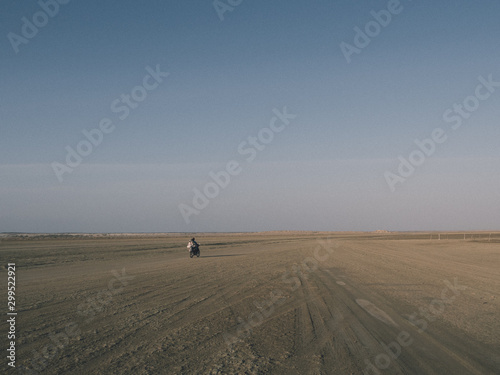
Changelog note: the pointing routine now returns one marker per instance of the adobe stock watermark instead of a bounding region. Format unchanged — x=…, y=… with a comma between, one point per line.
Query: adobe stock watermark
x=220, y=180
x=265, y=309
x=223, y=6
x=97, y=304
x=454, y=116
x=372, y=29
x=420, y=320
x=31, y=26
x=71, y=331
x=121, y=106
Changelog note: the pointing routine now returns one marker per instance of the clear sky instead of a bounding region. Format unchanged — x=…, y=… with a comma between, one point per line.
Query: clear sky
x=359, y=82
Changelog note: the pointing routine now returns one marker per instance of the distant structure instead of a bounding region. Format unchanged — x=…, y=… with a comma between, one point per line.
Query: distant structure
x=381, y=231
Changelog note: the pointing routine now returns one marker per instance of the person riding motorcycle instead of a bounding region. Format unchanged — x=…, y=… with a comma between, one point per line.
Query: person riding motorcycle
x=192, y=246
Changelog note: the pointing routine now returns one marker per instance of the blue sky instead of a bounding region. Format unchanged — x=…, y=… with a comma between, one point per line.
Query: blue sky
x=325, y=171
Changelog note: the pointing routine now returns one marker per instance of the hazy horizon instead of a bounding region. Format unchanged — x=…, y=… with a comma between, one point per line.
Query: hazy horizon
x=180, y=117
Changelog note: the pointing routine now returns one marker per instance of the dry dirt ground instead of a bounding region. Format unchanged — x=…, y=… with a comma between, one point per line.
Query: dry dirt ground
x=263, y=303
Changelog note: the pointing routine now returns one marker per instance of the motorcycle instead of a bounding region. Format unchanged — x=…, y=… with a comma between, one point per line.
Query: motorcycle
x=194, y=251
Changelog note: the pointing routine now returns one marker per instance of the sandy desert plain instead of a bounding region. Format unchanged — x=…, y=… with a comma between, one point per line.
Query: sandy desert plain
x=255, y=303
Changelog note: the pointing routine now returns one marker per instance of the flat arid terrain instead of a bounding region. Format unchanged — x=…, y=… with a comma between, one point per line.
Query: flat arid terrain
x=255, y=303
